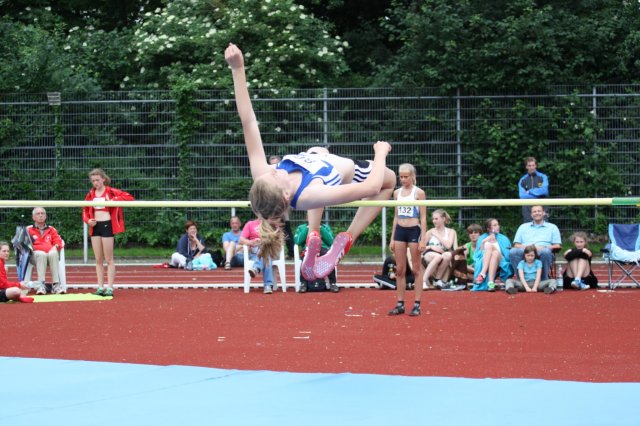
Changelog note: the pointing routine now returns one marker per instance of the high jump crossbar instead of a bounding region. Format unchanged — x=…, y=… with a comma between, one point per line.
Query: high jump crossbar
x=493, y=202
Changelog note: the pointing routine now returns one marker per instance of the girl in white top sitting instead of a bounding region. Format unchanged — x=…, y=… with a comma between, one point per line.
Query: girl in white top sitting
x=409, y=227
x=441, y=242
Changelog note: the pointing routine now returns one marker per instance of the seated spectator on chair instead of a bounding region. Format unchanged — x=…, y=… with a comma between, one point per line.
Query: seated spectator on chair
x=491, y=258
x=10, y=290
x=544, y=235
x=528, y=275
x=578, y=274
x=438, y=256
x=251, y=238
x=46, y=245
x=300, y=238
x=233, y=256
x=190, y=246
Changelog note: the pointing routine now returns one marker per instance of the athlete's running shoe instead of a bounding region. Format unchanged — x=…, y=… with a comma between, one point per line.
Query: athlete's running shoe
x=327, y=263
x=314, y=245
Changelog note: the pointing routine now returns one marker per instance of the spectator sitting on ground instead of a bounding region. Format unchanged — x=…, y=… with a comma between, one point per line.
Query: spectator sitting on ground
x=46, y=245
x=468, y=250
x=543, y=235
x=437, y=258
x=190, y=246
x=300, y=238
x=491, y=258
x=251, y=238
x=528, y=275
x=10, y=290
x=233, y=256
x=578, y=273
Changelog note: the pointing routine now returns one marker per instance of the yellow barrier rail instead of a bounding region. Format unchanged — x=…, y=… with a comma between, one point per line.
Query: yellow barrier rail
x=497, y=202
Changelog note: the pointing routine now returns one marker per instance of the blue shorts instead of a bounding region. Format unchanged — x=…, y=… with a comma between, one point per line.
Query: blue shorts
x=3, y=296
x=407, y=235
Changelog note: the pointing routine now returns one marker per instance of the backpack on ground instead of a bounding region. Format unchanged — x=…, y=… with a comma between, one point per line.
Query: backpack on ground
x=387, y=280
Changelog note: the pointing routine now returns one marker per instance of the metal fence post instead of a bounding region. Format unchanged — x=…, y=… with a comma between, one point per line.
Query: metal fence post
x=85, y=243
x=459, y=152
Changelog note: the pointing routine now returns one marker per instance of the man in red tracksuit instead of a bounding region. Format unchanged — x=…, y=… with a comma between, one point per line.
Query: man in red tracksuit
x=46, y=246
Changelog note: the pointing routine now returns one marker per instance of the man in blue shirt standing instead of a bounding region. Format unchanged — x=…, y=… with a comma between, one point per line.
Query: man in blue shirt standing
x=544, y=235
x=532, y=185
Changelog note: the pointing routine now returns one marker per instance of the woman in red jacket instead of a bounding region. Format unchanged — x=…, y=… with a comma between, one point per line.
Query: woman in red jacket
x=104, y=223
x=10, y=290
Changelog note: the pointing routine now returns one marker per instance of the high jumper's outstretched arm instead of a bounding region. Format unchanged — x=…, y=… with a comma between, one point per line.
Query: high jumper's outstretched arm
x=252, y=139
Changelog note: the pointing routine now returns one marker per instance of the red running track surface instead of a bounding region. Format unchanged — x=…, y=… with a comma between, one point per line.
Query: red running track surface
x=571, y=335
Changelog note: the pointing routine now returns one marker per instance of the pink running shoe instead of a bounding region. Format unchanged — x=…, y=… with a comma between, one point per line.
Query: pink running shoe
x=327, y=263
x=314, y=245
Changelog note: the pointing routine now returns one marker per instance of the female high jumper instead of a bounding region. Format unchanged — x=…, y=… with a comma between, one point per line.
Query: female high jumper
x=307, y=181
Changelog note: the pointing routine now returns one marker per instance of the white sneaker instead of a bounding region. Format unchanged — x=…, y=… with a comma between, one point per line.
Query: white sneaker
x=40, y=287
x=267, y=289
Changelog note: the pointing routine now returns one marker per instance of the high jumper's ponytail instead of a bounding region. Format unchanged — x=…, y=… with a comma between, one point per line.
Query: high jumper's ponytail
x=270, y=205
x=271, y=241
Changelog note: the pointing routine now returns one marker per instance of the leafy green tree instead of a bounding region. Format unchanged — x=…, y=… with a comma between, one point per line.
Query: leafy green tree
x=521, y=45
x=106, y=15
x=358, y=23
x=284, y=45
x=34, y=60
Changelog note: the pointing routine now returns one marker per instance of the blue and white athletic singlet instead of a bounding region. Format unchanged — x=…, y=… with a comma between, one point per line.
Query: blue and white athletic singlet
x=312, y=167
x=408, y=212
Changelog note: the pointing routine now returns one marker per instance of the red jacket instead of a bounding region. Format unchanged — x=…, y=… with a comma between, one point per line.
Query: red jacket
x=117, y=216
x=4, y=283
x=46, y=240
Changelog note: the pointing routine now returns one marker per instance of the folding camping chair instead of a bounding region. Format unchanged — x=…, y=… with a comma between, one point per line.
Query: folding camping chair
x=623, y=252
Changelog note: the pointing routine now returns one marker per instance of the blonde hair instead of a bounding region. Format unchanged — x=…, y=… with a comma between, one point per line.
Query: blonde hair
x=271, y=241
x=269, y=204
x=443, y=213
x=102, y=174
x=406, y=167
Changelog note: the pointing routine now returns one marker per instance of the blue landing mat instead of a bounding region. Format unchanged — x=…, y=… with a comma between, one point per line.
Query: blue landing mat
x=69, y=393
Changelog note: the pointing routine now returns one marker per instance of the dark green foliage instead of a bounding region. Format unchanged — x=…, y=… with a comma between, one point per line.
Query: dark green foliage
x=521, y=45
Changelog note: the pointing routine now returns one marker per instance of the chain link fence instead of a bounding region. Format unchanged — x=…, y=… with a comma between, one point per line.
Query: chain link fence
x=152, y=148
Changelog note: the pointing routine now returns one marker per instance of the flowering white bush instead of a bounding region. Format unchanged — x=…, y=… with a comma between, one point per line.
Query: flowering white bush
x=284, y=45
